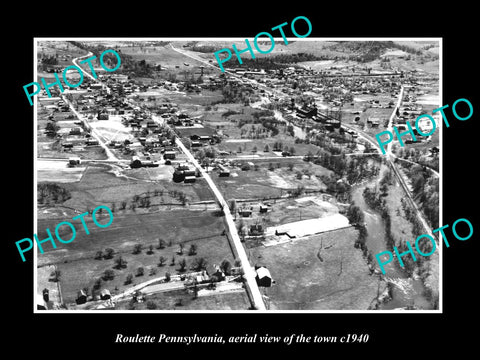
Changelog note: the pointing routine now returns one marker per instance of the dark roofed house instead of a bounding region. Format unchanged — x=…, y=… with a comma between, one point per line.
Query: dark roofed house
x=105, y=294
x=190, y=179
x=169, y=155
x=307, y=112
x=245, y=212
x=81, y=297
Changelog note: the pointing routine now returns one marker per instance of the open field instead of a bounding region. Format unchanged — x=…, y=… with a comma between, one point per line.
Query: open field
x=183, y=300
x=102, y=184
x=266, y=183
x=323, y=272
x=79, y=268
x=58, y=171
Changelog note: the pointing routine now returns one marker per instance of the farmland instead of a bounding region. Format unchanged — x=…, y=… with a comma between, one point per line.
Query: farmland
x=283, y=139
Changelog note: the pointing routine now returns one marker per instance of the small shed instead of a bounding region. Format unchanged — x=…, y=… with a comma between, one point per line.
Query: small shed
x=245, y=212
x=105, y=294
x=263, y=277
x=190, y=179
x=81, y=297
x=264, y=208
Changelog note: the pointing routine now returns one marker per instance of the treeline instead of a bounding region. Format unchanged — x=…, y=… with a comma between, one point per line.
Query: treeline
x=264, y=117
x=375, y=199
x=275, y=62
x=138, y=68
x=50, y=60
x=51, y=193
x=366, y=51
x=426, y=189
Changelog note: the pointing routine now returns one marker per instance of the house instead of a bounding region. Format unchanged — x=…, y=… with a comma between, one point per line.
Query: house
x=306, y=112
x=190, y=179
x=105, y=294
x=223, y=171
x=264, y=208
x=74, y=160
x=75, y=131
x=263, y=277
x=151, y=124
x=136, y=162
x=102, y=116
x=245, y=212
x=81, y=297
x=169, y=155
x=91, y=142
x=189, y=172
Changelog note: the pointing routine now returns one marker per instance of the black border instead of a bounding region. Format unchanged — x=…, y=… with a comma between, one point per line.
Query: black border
x=96, y=332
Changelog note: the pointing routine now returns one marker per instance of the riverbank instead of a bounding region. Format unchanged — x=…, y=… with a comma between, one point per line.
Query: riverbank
x=407, y=290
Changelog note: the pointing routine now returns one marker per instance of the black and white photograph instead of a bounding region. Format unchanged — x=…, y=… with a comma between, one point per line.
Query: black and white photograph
x=234, y=186
x=211, y=179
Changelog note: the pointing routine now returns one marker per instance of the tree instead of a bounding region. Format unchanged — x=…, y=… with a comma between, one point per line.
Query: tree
x=173, y=261
x=120, y=263
x=109, y=253
x=123, y=205
x=150, y=250
x=161, y=244
x=290, y=166
x=180, y=249
x=140, y=271
x=167, y=276
x=161, y=261
x=108, y=275
x=151, y=305
x=137, y=249
x=98, y=255
x=226, y=267
x=192, y=250
x=152, y=271
x=183, y=265
x=97, y=284
x=200, y=264
x=266, y=148
x=128, y=280
x=355, y=215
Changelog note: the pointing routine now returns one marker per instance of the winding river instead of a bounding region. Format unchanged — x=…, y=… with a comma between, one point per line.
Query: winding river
x=406, y=292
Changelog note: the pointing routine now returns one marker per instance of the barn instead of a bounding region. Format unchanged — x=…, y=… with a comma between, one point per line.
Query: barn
x=263, y=277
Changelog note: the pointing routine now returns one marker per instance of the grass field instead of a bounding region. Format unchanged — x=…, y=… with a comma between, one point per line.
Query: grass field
x=79, y=268
x=266, y=183
x=102, y=184
x=324, y=272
